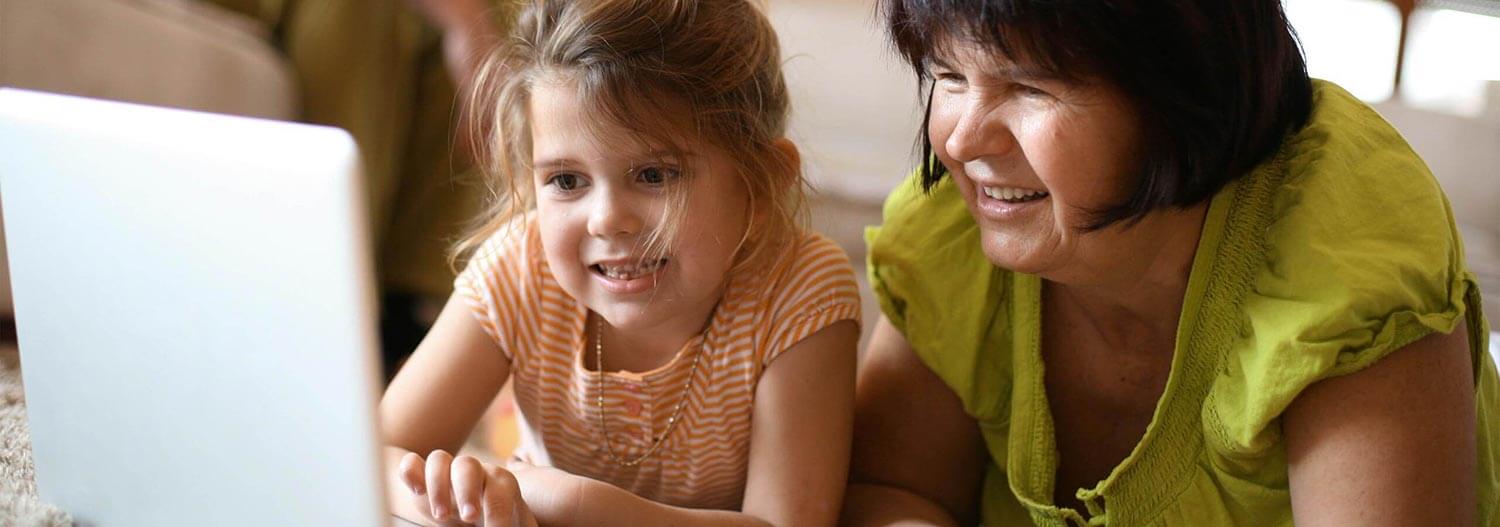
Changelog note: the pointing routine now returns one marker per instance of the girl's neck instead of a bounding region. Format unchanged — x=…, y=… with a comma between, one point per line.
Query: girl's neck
x=642, y=349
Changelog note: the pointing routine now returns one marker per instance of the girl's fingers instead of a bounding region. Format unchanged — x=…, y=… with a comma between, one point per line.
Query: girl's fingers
x=468, y=486
x=439, y=488
x=411, y=473
x=502, y=500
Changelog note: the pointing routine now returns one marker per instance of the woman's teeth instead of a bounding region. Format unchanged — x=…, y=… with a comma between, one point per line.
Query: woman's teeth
x=1013, y=195
x=629, y=272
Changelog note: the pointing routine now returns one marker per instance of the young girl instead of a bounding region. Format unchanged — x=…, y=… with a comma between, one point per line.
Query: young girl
x=682, y=350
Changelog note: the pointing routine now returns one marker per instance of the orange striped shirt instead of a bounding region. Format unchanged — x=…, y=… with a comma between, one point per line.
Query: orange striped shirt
x=704, y=460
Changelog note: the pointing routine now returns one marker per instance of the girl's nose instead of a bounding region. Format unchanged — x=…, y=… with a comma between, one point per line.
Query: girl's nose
x=614, y=215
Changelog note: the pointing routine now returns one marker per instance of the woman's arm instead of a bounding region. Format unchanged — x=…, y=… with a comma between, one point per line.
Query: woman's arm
x=1393, y=444
x=918, y=457
x=435, y=401
x=799, y=451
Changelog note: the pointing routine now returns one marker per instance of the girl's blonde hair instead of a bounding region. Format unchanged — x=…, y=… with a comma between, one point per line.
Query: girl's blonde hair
x=668, y=71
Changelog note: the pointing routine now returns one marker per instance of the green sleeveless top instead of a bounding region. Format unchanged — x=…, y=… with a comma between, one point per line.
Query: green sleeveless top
x=1337, y=251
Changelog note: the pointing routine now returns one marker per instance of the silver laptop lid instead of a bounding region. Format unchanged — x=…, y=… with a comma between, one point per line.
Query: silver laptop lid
x=194, y=306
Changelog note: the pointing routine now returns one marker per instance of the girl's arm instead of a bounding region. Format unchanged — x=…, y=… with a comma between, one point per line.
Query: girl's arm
x=1393, y=444
x=436, y=399
x=799, y=451
x=918, y=457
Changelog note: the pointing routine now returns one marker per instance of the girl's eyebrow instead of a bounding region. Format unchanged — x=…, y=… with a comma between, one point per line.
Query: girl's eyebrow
x=652, y=157
x=665, y=155
x=556, y=163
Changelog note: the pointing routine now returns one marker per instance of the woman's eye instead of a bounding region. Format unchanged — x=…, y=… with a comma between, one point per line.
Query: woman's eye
x=948, y=77
x=1031, y=91
x=656, y=175
x=566, y=182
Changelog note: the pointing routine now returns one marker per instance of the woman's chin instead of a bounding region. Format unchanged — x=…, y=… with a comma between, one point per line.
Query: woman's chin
x=1014, y=255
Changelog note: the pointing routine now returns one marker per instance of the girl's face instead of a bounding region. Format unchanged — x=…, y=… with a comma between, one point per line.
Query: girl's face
x=600, y=197
x=1032, y=157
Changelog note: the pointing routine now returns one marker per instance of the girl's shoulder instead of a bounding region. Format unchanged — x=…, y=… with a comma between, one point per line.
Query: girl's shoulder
x=807, y=287
x=812, y=267
x=504, y=279
x=516, y=237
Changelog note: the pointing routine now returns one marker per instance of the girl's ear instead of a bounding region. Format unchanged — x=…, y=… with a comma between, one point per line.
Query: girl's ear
x=792, y=175
x=789, y=149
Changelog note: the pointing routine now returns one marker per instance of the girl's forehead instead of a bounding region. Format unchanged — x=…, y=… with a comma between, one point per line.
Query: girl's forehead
x=608, y=143
x=566, y=118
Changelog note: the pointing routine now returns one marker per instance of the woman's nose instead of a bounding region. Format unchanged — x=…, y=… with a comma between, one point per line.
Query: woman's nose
x=979, y=132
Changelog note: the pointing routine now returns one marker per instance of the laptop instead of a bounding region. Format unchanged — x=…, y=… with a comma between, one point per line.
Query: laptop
x=196, y=317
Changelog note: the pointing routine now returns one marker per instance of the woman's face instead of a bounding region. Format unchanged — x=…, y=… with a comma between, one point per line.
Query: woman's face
x=1032, y=155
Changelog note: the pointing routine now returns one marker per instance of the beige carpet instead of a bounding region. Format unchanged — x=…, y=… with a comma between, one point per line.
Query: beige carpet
x=18, y=501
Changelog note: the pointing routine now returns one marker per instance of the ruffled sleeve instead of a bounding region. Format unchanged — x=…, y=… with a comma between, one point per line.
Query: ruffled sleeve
x=817, y=290
x=1360, y=257
x=499, y=282
x=936, y=286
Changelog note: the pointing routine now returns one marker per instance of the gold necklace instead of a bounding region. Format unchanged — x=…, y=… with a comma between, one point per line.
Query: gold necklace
x=599, y=387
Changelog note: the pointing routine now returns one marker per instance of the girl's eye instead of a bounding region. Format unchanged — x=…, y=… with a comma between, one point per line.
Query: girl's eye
x=656, y=176
x=566, y=182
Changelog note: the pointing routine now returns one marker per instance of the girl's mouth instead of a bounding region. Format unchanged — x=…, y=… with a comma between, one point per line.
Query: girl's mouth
x=628, y=278
x=630, y=271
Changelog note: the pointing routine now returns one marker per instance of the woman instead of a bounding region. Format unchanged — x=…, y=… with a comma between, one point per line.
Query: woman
x=1151, y=274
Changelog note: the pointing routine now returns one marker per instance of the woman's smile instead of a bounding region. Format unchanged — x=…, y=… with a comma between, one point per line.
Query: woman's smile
x=1002, y=203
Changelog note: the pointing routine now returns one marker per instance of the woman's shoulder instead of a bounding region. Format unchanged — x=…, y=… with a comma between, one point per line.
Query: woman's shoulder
x=917, y=222
x=1349, y=169
x=934, y=283
x=1351, y=252
x=1357, y=225
x=926, y=253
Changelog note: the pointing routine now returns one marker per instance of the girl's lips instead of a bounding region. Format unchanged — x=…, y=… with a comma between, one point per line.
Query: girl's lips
x=634, y=284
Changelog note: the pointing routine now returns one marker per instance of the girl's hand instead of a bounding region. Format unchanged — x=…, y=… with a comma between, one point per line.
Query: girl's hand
x=551, y=494
x=464, y=491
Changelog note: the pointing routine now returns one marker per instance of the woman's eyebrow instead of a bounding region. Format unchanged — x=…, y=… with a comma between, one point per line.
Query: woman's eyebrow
x=1004, y=70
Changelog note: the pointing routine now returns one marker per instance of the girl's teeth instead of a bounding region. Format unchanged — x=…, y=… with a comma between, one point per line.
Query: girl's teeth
x=628, y=272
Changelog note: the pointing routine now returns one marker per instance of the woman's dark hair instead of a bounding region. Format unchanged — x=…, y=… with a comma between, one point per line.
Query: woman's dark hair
x=1218, y=84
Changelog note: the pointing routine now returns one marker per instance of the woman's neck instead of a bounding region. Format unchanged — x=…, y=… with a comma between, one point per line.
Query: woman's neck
x=1138, y=284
